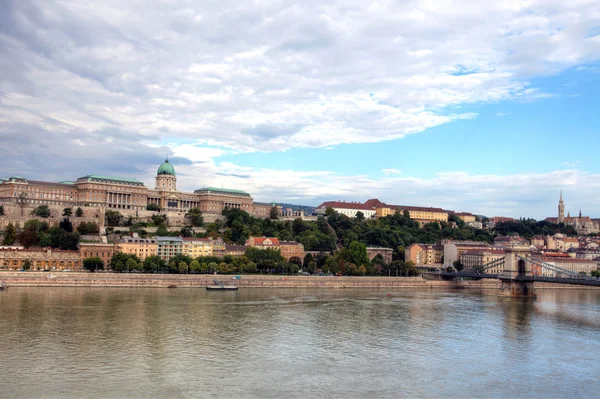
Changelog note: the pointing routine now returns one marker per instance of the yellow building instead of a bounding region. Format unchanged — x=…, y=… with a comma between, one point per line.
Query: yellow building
x=141, y=247
x=424, y=254
x=196, y=247
x=466, y=217
x=419, y=213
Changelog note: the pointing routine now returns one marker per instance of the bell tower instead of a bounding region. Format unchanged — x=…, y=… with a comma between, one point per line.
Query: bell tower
x=561, y=209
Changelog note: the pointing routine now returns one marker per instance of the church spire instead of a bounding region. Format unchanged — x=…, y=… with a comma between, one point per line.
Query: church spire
x=561, y=209
x=580, y=212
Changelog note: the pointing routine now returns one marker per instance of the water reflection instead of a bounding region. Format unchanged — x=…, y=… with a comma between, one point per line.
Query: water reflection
x=76, y=342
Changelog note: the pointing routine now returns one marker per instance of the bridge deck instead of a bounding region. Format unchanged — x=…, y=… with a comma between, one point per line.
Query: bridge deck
x=557, y=280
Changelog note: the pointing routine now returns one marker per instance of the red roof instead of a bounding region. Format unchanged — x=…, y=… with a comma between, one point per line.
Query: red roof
x=497, y=219
x=261, y=240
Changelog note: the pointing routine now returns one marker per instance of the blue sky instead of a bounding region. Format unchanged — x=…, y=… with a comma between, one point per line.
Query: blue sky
x=488, y=107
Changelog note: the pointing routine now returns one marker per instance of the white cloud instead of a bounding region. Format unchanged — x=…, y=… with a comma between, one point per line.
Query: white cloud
x=278, y=75
x=502, y=113
x=391, y=171
x=525, y=194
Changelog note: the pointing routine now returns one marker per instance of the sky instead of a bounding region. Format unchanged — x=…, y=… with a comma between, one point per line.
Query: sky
x=477, y=106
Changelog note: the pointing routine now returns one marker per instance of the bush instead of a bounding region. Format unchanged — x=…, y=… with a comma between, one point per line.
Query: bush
x=88, y=228
x=92, y=264
x=42, y=211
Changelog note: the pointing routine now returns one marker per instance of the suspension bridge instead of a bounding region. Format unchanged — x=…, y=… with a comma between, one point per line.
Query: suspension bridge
x=519, y=269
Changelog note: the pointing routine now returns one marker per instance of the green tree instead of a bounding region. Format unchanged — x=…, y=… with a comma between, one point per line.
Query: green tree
x=296, y=260
x=88, y=228
x=113, y=218
x=362, y=270
x=458, y=265
x=66, y=225
x=132, y=265
x=307, y=259
x=157, y=220
x=360, y=216
x=195, y=266
x=195, y=216
x=357, y=253
x=212, y=266
x=10, y=235
x=42, y=211
x=186, y=231
x=119, y=267
x=26, y=264
x=67, y=212
x=312, y=267
x=153, y=207
x=79, y=212
x=182, y=267
x=162, y=230
x=93, y=264
x=274, y=213
x=153, y=264
x=329, y=211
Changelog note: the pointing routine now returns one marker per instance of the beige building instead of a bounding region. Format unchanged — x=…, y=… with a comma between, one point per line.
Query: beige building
x=235, y=250
x=453, y=249
x=218, y=247
x=466, y=217
x=473, y=258
x=290, y=249
x=141, y=247
x=196, y=247
x=41, y=259
x=102, y=251
x=571, y=264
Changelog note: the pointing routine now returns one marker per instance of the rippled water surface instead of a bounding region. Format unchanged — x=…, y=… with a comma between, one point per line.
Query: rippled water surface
x=80, y=342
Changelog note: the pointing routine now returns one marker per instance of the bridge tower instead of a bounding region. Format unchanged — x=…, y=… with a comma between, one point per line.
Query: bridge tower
x=516, y=271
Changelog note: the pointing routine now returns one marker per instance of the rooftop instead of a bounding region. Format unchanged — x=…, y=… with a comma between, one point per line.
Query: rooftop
x=221, y=190
x=110, y=179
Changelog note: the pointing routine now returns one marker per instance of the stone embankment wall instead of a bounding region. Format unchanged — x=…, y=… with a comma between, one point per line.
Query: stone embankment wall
x=103, y=279
x=12, y=214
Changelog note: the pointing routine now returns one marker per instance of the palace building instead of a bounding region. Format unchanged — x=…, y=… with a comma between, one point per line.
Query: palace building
x=125, y=193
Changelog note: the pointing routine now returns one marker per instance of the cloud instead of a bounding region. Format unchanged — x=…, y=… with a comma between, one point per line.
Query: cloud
x=111, y=87
x=502, y=113
x=525, y=194
x=391, y=171
x=309, y=74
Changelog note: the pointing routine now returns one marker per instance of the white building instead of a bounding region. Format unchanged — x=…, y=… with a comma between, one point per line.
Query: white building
x=349, y=209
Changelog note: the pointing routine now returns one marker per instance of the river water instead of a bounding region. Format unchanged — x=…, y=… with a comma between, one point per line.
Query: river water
x=187, y=343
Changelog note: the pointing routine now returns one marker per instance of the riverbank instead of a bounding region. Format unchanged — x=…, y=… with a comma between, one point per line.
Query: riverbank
x=83, y=279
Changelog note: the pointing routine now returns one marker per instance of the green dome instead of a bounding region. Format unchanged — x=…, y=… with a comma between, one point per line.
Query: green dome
x=166, y=169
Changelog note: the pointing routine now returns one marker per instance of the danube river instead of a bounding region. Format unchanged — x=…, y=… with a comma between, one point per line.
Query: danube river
x=188, y=343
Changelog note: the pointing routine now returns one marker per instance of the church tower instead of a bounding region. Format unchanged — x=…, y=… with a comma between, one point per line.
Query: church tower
x=561, y=209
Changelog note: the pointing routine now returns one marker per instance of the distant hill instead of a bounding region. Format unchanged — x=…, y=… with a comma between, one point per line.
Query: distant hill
x=308, y=210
